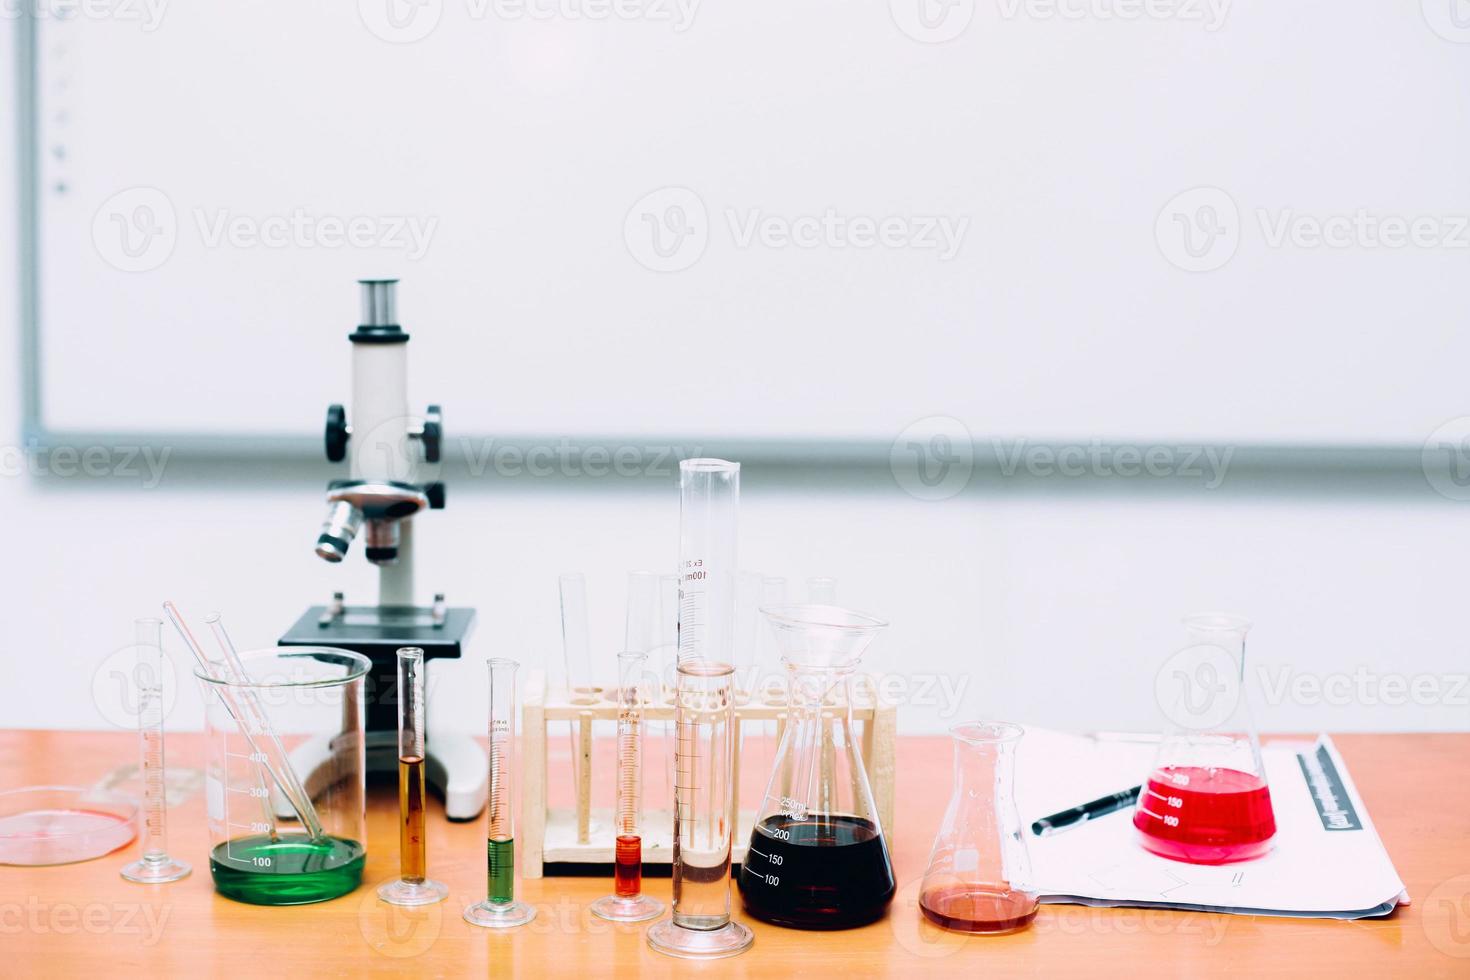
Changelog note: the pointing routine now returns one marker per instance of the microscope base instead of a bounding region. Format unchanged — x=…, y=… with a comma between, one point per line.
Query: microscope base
x=457, y=768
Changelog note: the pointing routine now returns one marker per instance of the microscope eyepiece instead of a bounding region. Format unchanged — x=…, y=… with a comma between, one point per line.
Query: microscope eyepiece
x=379, y=302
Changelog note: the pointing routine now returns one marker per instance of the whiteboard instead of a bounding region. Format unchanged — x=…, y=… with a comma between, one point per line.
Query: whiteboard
x=725, y=220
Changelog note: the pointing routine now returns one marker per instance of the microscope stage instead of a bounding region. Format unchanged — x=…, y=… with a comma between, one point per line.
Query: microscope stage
x=378, y=631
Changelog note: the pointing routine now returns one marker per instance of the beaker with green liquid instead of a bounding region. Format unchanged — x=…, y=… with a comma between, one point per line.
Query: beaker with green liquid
x=285, y=774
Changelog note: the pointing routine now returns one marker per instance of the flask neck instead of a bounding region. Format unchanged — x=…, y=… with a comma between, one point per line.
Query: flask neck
x=811, y=688
x=983, y=769
x=1221, y=631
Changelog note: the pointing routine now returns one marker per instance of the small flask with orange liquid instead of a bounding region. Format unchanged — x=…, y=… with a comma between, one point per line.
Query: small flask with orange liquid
x=978, y=879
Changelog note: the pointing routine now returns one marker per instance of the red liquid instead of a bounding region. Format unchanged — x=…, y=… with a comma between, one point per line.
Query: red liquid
x=978, y=908
x=1205, y=816
x=628, y=867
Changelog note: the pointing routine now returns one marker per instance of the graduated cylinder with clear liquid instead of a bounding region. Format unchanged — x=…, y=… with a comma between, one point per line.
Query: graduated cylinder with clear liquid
x=1205, y=801
x=817, y=858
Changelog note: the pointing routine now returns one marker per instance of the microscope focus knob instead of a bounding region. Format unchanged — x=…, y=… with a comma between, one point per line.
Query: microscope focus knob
x=336, y=433
x=433, y=433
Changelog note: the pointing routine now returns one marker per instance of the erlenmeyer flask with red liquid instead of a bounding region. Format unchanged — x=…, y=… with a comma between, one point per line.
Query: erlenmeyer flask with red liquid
x=1205, y=800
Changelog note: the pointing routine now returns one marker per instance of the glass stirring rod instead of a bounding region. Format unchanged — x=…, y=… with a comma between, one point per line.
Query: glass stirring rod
x=155, y=866
x=256, y=727
x=262, y=776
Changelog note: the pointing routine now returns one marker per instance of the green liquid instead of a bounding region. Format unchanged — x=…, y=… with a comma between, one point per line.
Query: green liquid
x=500, y=860
x=293, y=870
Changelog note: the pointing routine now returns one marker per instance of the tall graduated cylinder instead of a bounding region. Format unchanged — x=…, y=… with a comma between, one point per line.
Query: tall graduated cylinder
x=704, y=718
x=703, y=836
x=296, y=707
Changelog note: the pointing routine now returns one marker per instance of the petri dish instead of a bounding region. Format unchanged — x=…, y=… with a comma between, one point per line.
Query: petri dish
x=63, y=824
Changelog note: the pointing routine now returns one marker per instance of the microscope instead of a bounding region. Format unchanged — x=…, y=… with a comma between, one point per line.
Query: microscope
x=389, y=454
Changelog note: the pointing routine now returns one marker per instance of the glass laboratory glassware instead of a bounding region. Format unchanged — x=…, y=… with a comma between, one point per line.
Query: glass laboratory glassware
x=709, y=503
x=704, y=721
x=627, y=903
x=771, y=686
x=312, y=699
x=576, y=647
x=821, y=590
x=155, y=866
x=979, y=873
x=1205, y=800
x=817, y=858
x=500, y=909
x=413, y=886
x=268, y=754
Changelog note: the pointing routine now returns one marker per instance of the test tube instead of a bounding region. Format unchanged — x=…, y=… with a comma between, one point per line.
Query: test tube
x=668, y=626
x=747, y=633
x=640, y=632
x=155, y=866
x=576, y=649
x=413, y=886
x=773, y=675
x=627, y=903
x=577, y=656
x=500, y=908
x=704, y=712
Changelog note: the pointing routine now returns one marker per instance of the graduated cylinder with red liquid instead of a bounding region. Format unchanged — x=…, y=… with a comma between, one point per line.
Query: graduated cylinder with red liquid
x=1206, y=800
x=627, y=903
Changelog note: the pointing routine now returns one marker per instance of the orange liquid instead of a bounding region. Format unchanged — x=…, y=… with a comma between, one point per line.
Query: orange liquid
x=411, y=846
x=978, y=908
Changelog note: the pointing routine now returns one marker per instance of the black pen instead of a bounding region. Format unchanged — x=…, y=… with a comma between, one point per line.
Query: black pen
x=1085, y=812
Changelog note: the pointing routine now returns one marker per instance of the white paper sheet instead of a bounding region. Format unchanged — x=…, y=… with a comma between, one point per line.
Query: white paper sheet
x=1311, y=871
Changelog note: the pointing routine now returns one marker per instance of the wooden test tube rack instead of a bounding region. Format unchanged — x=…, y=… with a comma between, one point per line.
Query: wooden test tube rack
x=553, y=836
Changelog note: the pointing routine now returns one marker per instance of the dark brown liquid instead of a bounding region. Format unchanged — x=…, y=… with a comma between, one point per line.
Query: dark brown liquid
x=411, y=846
x=978, y=908
x=824, y=872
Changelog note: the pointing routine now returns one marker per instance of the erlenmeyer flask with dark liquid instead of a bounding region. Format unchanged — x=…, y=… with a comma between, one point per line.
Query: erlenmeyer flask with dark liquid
x=817, y=858
x=1205, y=801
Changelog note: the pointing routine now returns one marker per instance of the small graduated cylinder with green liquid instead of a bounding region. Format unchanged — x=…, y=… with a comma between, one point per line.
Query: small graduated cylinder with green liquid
x=500, y=864
x=500, y=909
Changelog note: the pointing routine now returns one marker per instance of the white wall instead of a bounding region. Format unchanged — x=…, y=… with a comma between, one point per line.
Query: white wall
x=1052, y=601
x=1053, y=608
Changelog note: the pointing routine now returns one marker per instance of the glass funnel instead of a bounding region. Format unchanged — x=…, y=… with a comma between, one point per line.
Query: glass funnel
x=817, y=858
x=1205, y=800
x=978, y=879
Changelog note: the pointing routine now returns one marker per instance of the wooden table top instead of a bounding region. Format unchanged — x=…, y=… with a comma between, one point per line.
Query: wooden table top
x=84, y=919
